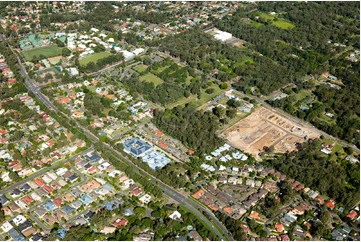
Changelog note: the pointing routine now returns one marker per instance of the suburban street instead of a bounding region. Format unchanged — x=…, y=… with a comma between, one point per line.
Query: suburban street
x=171, y=192
x=43, y=171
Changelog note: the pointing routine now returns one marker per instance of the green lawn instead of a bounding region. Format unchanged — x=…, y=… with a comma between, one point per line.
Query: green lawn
x=198, y=102
x=283, y=24
x=149, y=77
x=55, y=60
x=160, y=69
x=47, y=51
x=84, y=61
x=302, y=94
x=140, y=68
x=256, y=24
x=279, y=22
x=266, y=16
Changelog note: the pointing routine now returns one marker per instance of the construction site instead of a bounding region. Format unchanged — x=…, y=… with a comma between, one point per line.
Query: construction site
x=264, y=129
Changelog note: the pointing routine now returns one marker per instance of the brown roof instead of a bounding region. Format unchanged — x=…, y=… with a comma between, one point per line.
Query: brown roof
x=29, y=231
x=198, y=194
x=213, y=207
x=158, y=132
x=228, y=210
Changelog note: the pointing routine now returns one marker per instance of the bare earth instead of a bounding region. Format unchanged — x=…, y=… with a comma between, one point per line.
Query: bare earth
x=266, y=128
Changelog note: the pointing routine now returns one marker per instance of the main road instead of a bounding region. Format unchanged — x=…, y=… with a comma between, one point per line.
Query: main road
x=169, y=191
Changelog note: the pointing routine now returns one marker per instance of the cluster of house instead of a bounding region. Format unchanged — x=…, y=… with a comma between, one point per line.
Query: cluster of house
x=37, y=135
x=21, y=229
x=238, y=190
x=85, y=43
x=60, y=195
x=74, y=101
x=229, y=156
x=16, y=22
x=6, y=71
x=181, y=21
x=140, y=148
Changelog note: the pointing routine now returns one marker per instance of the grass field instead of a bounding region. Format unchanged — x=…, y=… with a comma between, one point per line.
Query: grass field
x=55, y=60
x=283, y=24
x=47, y=51
x=279, y=22
x=160, y=69
x=84, y=61
x=198, y=102
x=256, y=24
x=149, y=77
x=140, y=68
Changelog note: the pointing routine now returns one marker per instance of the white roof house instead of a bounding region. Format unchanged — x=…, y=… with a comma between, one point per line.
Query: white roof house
x=72, y=71
x=175, y=215
x=19, y=219
x=138, y=51
x=6, y=227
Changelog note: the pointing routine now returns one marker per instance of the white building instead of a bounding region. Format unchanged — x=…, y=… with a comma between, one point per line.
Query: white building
x=222, y=36
x=175, y=215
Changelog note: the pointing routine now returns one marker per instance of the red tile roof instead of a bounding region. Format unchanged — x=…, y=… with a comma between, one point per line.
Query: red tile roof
x=39, y=182
x=190, y=152
x=120, y=222
x=320, y=199
x=162, y=145
x=158, y=132
x=254, y=215
x=352, y=215
x=57, y=202
x=92, y=169
x=137, y=191
x=199, y=194
x=213, y=207
x=285, y=237
x=330, y=203
x=228, y=210
x=245, y=228
x=63, y=100
x=279, y=228
x=28, y=200
x=48, y=189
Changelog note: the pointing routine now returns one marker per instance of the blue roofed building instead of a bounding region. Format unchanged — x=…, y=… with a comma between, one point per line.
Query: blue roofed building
x=136, y=147
x=86, y=199
x=15, y=235
x=3, y=200
x=61, y=233
x=49, y=205
x=67, y=209
x=93, y=157
x=156, y=160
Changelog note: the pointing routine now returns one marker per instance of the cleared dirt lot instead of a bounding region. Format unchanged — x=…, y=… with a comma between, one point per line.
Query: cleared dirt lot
x=264, y=128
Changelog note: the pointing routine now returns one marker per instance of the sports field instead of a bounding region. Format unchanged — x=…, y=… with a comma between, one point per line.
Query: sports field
x=47, y=51
x=140, y=68
x=279, y=22
x=149, y=77
x=93, y=58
